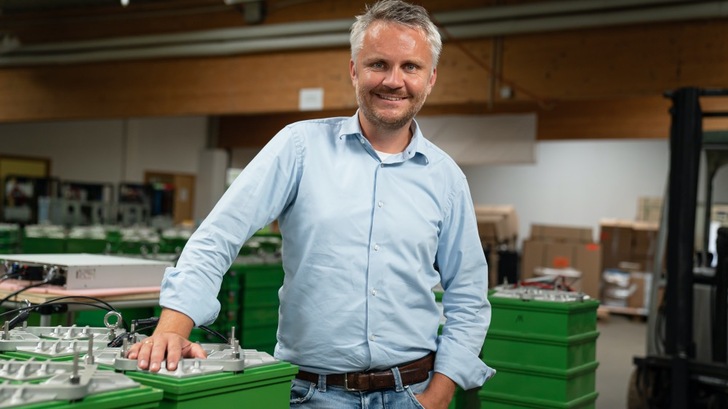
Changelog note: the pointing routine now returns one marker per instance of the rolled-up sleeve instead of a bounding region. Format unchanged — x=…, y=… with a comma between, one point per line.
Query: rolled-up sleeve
x=464, y=275
x=255, y=199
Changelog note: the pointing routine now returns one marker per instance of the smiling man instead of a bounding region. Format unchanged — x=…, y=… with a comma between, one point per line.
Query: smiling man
x=373, y=217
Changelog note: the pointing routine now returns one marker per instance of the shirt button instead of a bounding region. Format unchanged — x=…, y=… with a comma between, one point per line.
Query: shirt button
x=376, y=247
x=372, y=337
x=380, y=203
x=374, y=292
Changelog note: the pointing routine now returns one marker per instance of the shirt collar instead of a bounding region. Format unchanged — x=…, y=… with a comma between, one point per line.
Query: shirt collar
x=417, y=148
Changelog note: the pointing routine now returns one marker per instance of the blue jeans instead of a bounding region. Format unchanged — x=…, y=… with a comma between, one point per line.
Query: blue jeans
x=307, y=395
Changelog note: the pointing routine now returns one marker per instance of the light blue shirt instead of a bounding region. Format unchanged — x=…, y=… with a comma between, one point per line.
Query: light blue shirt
x=364, y=243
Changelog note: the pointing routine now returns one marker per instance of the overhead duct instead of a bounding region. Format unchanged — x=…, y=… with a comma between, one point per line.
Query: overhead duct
x=464, y=24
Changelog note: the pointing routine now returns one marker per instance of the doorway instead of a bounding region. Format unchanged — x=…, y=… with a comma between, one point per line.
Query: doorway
x=173, y=194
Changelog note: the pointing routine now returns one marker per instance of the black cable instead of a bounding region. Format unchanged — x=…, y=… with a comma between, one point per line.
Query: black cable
x=32, y=307
x=109, y=307
x=118, y=341
x=213, y=332
x=152, y=322
x=24, y=312
x=9, y=276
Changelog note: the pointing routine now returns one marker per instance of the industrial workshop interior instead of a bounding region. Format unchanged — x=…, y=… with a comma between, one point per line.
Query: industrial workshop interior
x=593, y=136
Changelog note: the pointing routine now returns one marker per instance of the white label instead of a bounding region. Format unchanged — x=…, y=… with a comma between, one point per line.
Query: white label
x=311, y=99
x=86, y=274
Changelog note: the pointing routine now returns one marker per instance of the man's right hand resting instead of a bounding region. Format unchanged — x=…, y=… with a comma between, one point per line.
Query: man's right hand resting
x=168, y=341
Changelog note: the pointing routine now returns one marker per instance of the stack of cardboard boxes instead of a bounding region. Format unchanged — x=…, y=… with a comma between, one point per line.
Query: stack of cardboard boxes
x=571, y=249
x=629, y=248
x=498, y=229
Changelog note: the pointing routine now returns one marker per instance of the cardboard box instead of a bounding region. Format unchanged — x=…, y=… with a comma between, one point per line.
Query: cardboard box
x=492, y=230
x=561, y=233
x=532, y=257
x=585, y=258
x=616, y=240
x=559, y=255
x=649, y=209
x=502, y=218
x=642, y=288
x=644, y=238
x=589, y=262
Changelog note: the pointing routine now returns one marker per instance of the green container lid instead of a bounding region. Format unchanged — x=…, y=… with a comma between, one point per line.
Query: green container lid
x=493, y=400
x=543, y=317
x=266, y=386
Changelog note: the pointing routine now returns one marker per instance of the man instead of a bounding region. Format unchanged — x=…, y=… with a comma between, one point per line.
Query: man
x=373, y=216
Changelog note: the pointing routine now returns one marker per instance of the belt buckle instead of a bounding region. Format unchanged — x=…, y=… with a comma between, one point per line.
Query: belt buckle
x=346, y=384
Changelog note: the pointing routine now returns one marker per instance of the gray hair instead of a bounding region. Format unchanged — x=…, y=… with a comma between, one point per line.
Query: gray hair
x=400, y=12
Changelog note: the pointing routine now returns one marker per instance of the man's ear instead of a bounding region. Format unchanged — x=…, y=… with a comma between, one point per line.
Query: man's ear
x=352, y=71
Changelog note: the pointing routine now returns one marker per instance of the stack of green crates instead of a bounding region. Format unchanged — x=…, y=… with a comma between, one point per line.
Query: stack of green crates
x=544, y=351
x=9, y=238
x=87, y=239
x=173, y=240
x=137, y=240
x=249, y=302
x=43, y=239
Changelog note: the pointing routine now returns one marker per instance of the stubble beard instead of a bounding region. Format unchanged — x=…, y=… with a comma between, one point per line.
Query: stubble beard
x=384, y=122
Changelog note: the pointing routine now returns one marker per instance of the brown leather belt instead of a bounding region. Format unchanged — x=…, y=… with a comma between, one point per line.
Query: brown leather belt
x=413, y=372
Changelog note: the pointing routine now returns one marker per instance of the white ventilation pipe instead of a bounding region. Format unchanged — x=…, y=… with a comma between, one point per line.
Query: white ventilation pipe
x=466, y=24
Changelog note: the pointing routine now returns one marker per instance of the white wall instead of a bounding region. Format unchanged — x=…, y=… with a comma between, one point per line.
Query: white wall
x=579, y=183
x=110, y=150
x=165, y=145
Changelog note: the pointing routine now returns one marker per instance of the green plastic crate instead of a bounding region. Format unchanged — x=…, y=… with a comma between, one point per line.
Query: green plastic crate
x=264, y=387
x=547, y=384
x=543, y=317
x=43, y=245
x=540, y=350
x=87, y=245
x=171, y=245
x=260, y=316
x=465, y=399
x=249, y=302
x=508, y=401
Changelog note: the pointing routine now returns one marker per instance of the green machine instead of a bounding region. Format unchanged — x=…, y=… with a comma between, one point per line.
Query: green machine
x=542, y=344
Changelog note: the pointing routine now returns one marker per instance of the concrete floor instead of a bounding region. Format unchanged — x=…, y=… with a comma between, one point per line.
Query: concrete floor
x=621, y=338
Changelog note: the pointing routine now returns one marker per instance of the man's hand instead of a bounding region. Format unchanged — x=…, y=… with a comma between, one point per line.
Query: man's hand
x=170, y=340
x=439, y=392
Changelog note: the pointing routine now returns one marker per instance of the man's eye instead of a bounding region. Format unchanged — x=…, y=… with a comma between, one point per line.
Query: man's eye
x=378, y=65
x=410, y=67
